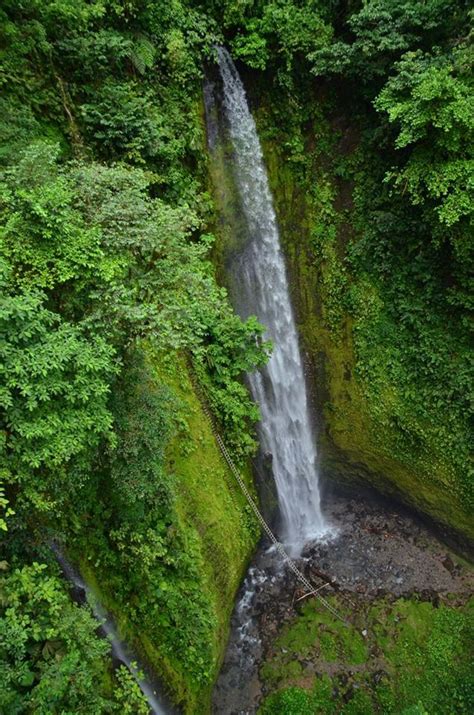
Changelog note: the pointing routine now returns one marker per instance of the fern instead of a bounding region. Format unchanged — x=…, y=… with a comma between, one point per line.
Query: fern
x=143, y=54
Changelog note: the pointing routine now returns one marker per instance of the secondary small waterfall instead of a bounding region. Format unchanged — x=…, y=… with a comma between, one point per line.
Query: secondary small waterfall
x=121, y=653
x=259, y=272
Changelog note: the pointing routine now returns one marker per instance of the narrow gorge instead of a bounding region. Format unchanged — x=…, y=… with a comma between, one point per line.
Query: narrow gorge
x=236, y=363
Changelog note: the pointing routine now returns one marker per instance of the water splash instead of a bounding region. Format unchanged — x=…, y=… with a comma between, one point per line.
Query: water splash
x=259, y=272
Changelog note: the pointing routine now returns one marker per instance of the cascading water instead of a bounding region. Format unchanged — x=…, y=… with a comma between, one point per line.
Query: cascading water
x=259, y=272
x=120, y=652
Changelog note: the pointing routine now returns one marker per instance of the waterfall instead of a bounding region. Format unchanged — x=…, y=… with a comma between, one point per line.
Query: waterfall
x=285, y=428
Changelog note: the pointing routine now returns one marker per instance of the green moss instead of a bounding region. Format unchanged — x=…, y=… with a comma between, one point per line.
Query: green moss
x=315, y=633
x=328, y=647
x=220, y=530
x=291, y=701
x=352, y=647
x=323, y=698
x=359, y=704
x=373, y=431
x=301, y=637
x=417, y=654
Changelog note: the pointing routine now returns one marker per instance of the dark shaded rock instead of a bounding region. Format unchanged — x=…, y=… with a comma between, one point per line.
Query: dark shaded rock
x=378, y=676
x=448, y=563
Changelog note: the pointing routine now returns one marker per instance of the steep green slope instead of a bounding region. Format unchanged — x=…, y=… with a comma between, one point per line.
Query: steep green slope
x=184, y=642
x=210, y=500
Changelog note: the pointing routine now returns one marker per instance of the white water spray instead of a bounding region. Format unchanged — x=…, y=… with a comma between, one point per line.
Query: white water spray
x=259, y=272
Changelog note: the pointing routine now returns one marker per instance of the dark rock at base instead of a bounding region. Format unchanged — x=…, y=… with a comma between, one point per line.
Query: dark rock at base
x=378, y=676
x=448, y=563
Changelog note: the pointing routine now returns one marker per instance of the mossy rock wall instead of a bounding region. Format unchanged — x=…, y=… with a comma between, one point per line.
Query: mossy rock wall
x=360, y=442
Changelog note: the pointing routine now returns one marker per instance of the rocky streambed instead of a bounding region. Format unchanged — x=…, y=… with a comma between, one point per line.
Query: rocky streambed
x=379, y=563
